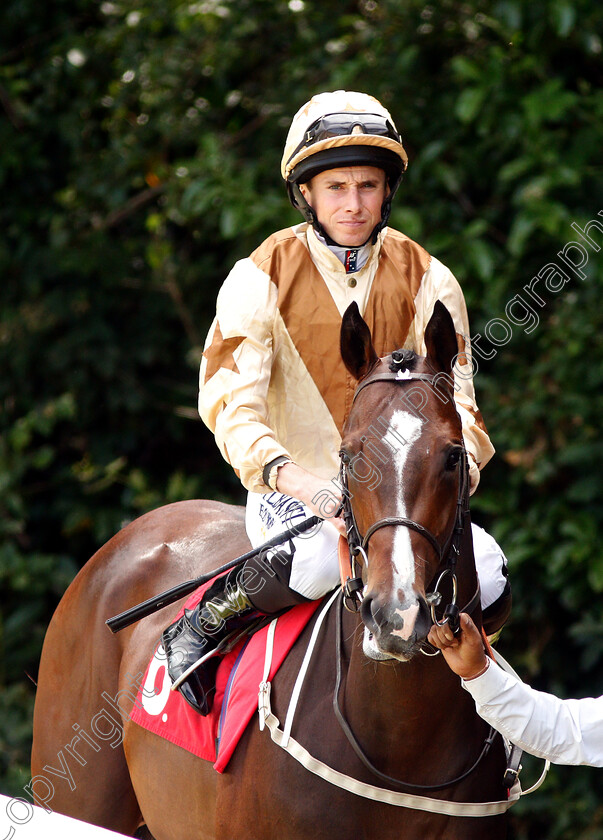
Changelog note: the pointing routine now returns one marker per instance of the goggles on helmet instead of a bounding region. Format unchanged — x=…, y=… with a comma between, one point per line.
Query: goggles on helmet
x=338, y=125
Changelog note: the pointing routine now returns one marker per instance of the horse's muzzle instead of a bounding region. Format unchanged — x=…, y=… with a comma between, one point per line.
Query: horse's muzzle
x=397, y=628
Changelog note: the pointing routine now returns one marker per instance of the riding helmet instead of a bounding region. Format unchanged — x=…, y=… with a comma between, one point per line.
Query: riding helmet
x=337, y=129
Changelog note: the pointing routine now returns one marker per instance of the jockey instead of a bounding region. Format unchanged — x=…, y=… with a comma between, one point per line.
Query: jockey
x=273, y=388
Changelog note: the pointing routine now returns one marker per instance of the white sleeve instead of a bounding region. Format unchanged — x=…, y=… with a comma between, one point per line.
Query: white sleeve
x=563, y=731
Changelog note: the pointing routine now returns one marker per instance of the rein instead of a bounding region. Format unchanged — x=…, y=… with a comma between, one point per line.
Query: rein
x=283, y=739
x=347, y=730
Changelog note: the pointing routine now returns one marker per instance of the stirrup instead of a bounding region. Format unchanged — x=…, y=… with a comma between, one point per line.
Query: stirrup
x=197, y=683
x=227, y=643
x=199, y=692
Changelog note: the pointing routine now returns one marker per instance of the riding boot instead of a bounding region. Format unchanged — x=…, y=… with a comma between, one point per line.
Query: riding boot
x=233, y=605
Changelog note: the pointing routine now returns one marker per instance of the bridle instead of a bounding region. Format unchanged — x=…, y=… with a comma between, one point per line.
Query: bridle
x=352, y=587
x=358, y=544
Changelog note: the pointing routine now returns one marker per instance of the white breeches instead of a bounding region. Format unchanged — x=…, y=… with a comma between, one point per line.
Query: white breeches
x=315, y=567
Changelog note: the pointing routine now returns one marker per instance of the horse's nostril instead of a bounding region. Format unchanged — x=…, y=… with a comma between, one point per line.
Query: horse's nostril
x=369, y=612
x=396, y=625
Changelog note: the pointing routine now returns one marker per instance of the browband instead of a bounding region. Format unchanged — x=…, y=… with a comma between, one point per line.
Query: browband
x=399, y=376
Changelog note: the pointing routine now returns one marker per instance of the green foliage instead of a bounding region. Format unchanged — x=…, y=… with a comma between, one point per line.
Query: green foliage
x=139, y=158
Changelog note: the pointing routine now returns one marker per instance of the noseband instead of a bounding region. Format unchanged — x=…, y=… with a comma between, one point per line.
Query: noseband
x=358, y=544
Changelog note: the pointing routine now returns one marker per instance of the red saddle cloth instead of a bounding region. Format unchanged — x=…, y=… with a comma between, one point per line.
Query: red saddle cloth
x=240, y=673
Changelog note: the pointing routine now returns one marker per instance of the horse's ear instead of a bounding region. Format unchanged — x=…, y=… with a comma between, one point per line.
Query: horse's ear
x=440, y=339
x=356, y=345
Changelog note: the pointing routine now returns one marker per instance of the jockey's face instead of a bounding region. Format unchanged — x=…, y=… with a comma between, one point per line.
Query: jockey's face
x=347, y=202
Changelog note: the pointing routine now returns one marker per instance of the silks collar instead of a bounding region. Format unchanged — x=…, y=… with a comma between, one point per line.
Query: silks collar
x=352, y=259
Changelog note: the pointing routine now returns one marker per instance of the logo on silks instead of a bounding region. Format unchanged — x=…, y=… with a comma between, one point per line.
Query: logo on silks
x=351, y=260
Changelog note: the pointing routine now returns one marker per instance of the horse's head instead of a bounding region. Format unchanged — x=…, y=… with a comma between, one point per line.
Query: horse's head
x=403, y=459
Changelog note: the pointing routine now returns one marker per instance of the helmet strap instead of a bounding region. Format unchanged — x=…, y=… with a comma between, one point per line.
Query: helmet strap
x=386, y=207
x=299, y=202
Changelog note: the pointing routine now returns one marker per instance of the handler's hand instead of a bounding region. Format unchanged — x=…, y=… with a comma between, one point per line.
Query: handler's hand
x=464, y=652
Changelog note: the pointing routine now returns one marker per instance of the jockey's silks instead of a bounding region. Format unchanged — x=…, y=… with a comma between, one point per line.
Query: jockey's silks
x=272, y=381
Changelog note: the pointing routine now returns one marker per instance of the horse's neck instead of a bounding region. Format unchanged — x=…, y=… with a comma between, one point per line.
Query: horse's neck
x=374, y=688
x=409, y=704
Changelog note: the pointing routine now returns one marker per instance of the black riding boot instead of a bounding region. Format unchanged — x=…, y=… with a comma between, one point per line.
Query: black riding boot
x=225, y=612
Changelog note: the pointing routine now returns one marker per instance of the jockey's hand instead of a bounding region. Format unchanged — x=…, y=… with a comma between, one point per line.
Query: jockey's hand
x=322, y=497
x=464, y=652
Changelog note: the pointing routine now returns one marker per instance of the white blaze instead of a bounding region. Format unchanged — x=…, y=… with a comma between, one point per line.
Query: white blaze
x=407, y=426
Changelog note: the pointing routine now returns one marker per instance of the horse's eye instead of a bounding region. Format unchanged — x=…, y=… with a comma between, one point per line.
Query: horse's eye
x=453, y=459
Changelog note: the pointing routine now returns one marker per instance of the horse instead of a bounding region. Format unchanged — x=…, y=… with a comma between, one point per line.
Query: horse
x=399, y=719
